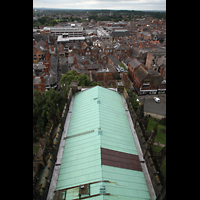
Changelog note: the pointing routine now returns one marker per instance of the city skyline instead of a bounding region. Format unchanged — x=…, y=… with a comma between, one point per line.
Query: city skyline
x=103, y=4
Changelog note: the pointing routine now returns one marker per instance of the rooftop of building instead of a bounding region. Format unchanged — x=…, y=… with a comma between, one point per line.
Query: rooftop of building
x=100, y=155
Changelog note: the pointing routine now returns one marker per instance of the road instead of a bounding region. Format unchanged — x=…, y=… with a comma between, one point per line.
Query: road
x=153, y=108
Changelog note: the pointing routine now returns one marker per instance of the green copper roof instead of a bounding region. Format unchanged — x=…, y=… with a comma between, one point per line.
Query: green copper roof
x=99, y=120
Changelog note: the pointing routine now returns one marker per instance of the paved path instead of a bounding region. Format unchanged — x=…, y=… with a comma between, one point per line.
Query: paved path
x=161, y=145
x=154, y=115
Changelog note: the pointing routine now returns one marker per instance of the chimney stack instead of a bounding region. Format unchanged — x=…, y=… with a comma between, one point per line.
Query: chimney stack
x=47, y=45
x=52, y=48
x=74, y=61
x=42, y=79
x=33, y=41
x=47, y=56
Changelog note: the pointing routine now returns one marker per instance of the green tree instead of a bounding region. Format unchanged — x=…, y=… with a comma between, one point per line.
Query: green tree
x=54, y=105
x=96, y=83
x=66, y=81
x=47, y=108
x=39, y=120
x=140, y=111
x=84, y=80
x=134, y=102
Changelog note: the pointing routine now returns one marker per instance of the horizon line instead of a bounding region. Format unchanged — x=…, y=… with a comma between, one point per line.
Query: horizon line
x=93, y=9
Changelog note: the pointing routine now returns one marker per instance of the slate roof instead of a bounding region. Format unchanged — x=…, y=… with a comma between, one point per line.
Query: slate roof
x=53, y=77
x=40, y=45
x=114, y=59
x=39, y=36
x=118, y=33
x=134, y=63
x=141, y=73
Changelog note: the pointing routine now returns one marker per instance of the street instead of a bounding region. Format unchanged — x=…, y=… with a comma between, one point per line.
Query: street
x=151, y=107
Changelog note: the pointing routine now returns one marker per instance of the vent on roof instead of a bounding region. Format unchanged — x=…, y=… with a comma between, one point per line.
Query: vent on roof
x=99, y=131
x=102, y=189
x=98, y=101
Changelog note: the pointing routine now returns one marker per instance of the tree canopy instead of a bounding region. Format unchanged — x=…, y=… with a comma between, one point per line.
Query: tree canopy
x=47, y=108
x=83, y=80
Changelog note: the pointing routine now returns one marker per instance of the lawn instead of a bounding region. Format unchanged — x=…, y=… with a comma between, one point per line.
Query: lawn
x=35, y=149
x=160, y=136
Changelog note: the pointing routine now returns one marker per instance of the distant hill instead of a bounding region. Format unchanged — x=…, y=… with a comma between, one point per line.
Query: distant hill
x=43, y=8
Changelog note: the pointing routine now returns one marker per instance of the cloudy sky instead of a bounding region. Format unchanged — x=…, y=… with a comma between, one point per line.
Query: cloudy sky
x=102, y=4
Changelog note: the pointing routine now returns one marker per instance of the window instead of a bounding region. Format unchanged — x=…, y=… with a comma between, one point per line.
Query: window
x=145, y=84
x=162, y=85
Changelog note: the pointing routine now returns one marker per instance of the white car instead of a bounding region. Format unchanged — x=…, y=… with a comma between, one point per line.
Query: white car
x=156, y=99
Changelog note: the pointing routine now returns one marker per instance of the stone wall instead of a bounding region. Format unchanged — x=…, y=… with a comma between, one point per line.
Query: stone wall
x=144, y=146
x=50, y=165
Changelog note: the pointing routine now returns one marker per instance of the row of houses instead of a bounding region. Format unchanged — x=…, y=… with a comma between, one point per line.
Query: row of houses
x=146, y=81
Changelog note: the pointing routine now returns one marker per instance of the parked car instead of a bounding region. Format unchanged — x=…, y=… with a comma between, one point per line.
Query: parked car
x=156, y=99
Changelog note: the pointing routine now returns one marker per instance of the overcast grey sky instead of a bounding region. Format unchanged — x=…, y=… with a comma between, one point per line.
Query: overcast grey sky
x=102, y=4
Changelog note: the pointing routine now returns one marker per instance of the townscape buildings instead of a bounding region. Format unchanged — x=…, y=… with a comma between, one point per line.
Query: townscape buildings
x=102, y=48
x=132, y=52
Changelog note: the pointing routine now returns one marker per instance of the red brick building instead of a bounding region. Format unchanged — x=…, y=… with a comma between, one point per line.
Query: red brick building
x=38, y=50
x=148, y=82
x=39, y=83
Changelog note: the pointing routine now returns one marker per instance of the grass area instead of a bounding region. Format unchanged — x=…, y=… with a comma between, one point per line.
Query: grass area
x=157, y=148
x=151, y=125
x=160, y=136
x=35, y=149
x=121, y=65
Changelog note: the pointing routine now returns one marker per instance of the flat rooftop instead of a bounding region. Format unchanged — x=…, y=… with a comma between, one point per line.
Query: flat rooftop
x=61, y=39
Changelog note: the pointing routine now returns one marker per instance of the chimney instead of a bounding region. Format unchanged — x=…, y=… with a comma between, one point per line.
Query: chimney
x=52, y=48
x=53, y=41
x=162, y=70
x=43, y=33
x=47, y=56
x=74, y=61
x=42, y=79
x=33, y=41
x=47, y=45
x=140, y=54
x=92, y=39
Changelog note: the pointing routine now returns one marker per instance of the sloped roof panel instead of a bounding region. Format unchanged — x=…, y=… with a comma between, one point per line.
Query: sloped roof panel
x=99, y=121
